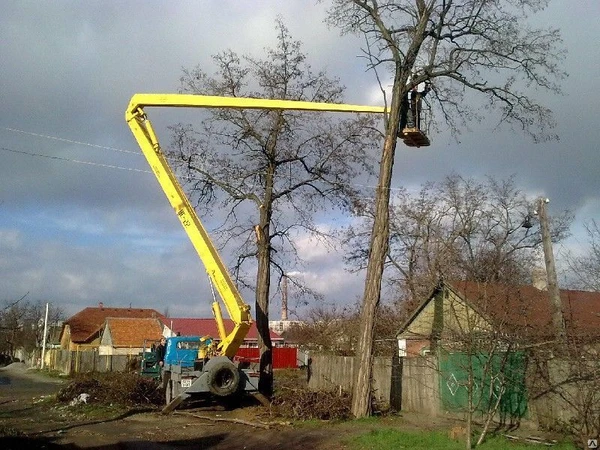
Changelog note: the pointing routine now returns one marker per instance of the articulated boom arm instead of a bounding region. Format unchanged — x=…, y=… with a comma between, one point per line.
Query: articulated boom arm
x=136, y=118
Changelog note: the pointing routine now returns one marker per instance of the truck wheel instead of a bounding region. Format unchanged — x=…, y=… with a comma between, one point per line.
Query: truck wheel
x=223, y=379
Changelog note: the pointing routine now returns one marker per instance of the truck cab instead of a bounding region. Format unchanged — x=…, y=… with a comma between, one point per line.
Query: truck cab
x=185, y=351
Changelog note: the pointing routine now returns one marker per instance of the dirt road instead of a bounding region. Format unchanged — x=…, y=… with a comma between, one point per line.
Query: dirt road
x=31, y=419
x=36, y=422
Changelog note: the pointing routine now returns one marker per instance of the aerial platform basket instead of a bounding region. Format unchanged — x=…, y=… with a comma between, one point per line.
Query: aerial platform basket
x=414, y=137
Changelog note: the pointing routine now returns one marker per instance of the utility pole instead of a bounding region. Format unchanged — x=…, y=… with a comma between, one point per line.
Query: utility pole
x=44, y=339
x=558, y=320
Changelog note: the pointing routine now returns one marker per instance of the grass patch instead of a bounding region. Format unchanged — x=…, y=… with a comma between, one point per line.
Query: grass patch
x=91, y=412
x=390, y=439
x=51, y=373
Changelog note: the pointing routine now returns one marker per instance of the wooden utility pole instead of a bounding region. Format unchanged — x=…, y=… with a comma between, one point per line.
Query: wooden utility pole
x=553, y=291
x=44, y=339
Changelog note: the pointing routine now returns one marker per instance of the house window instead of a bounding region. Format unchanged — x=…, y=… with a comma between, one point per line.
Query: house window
x=402, y=348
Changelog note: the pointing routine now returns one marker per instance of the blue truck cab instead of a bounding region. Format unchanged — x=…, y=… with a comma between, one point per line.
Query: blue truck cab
x=183, y=351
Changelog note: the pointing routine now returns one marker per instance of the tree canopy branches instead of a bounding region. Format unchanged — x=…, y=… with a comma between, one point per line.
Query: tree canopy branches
x=269, y=171
x=478, y=45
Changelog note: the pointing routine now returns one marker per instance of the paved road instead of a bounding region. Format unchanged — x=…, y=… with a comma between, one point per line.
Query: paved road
x=17, y=382
x=19, y=388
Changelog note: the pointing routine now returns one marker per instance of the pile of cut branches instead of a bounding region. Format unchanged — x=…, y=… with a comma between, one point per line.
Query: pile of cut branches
x=112, y=388
x=303, y=404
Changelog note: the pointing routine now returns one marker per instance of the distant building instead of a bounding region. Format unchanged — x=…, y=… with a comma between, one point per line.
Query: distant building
x=129, y=336
x=281, y=326
x=83, y=331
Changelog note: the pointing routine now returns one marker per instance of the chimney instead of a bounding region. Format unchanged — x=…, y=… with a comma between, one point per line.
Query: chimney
x=539, y=279
x=100, y=305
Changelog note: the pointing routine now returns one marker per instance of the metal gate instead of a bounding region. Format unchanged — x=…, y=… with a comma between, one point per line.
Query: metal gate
x=499, y=377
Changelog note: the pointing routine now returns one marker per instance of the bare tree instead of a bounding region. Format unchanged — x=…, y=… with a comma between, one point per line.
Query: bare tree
x=22, y=325
x=570, y=384
x=458, y=228
x=326, y=329
x=586, y=267
x=463, y=46
x=270, y=170
x=335, y=330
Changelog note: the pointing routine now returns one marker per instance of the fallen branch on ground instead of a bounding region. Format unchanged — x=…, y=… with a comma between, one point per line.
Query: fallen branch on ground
x=531, y=440
x=222, y=419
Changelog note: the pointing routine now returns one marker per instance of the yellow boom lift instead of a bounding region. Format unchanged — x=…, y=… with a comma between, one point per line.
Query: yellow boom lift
x=213, y=372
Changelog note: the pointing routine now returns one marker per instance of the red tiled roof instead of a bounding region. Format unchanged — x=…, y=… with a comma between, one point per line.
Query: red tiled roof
x=208, y=327
x=128, y=332
x=87, y=323
x=527, y=309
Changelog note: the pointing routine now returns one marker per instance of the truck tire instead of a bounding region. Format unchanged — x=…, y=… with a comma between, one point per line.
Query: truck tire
x=223, y=378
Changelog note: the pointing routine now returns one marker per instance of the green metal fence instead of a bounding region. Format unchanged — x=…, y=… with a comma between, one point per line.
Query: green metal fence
x=499, y=377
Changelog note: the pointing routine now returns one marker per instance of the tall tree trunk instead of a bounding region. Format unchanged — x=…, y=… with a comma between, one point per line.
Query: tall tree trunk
x=263, y=280
x=361, y=394
x=361, y=398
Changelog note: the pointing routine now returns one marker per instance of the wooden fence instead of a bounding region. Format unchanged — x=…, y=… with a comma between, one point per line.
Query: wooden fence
x=408, y=384
x=330, y=372
x=69, y=362
x=415, y=384
x=72, y=361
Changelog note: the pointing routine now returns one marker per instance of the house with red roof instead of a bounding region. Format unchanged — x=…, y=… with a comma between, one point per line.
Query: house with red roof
x=129, y=336
x=83, y=331
x=126, y=331
x=522, y=313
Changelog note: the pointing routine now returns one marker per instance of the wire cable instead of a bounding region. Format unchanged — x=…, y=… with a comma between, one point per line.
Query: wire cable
x=70, y=141
x=60, y=158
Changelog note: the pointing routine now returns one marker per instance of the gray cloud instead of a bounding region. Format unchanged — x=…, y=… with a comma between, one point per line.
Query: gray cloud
x=76, y=234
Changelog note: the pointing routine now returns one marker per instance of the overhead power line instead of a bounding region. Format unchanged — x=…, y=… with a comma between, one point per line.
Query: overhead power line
x=104, y=147
x=60, y=158
x=70, y=141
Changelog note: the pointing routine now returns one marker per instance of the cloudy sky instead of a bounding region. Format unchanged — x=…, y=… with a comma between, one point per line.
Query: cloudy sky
x=82, y=220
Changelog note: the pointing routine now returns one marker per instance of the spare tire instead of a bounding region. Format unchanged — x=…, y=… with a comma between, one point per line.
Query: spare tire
x=223, y=378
